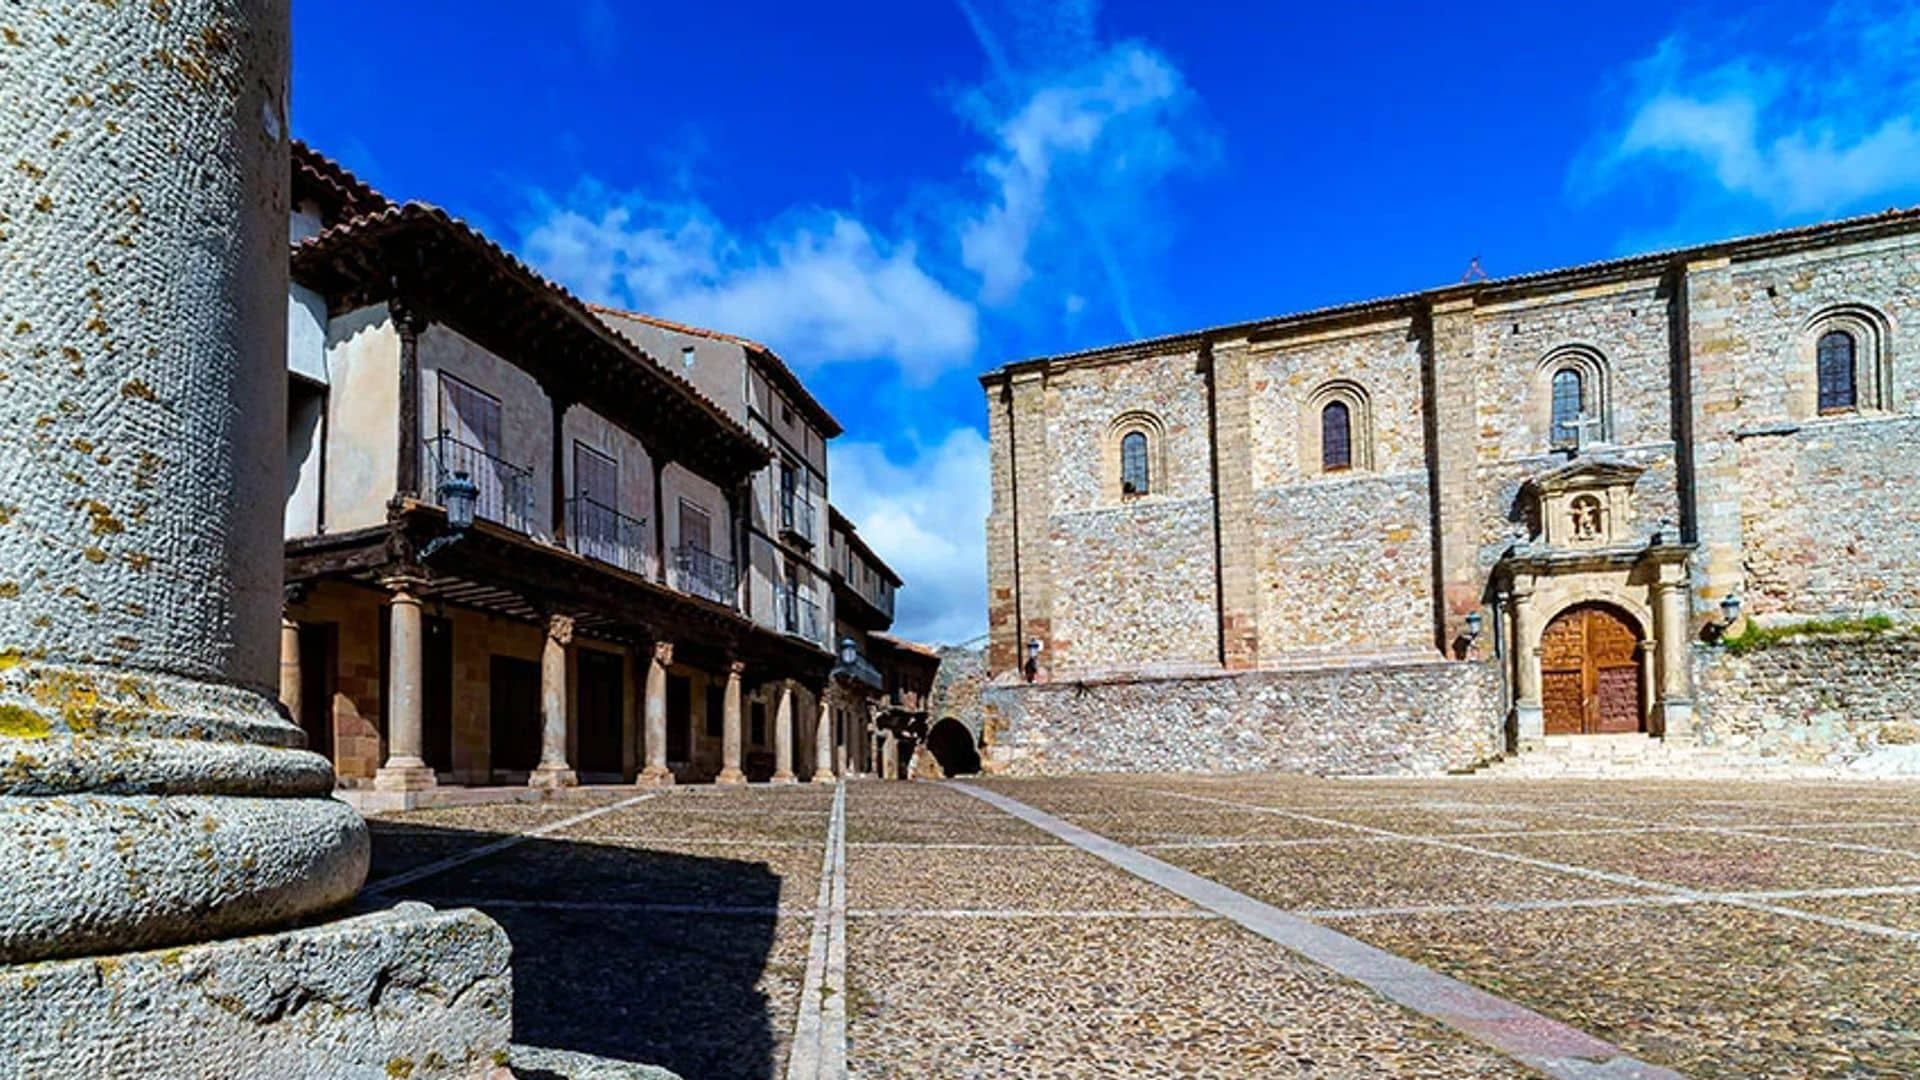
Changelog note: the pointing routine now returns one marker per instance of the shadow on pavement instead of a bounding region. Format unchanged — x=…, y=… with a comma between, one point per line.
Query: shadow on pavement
x=681, y=991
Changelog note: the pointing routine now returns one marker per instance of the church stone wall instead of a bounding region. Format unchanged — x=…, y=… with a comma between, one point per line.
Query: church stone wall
x=1812, y=699
x=1139, y=571
x=1408, y=719
x=1831, y=519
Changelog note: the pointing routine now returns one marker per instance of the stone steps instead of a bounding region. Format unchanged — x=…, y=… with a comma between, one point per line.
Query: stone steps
x=1642, y=757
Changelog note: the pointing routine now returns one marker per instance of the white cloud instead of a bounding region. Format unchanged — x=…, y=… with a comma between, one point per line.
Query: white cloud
x=824, y=289
x=927, y=518
x=1822, y=123
x=1103, y=128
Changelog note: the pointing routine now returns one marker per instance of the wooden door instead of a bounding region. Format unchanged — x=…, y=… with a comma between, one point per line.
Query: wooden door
x=679, y=719
x=599, y=697
x=514, y=708
x=1590, y=673
x=319, y=681
x=436, y=693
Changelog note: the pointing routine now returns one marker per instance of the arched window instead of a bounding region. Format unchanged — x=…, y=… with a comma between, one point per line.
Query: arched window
x=1336, y=437
x=1838, y=390
x=1136, y=477
x=1569, y=406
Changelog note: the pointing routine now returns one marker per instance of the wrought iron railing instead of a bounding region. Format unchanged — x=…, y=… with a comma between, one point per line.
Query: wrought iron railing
x=704, y=574
x=604, y=534
x=506, y=489
x=796, y=515
x=799, y=616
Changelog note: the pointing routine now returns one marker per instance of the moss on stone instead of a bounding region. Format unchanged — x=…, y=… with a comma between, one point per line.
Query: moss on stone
x=18, y=722
x=1756, y=637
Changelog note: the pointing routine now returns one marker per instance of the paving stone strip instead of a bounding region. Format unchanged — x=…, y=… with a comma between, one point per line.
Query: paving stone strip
x=1609, y=876
x=1660, y=900
x=1028, y=913
x=628, y=907
x=1534, y=1040
x=441, y=866
x=819, y=1050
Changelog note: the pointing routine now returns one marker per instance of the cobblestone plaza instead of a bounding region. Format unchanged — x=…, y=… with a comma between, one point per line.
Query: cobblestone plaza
x=1711, y=930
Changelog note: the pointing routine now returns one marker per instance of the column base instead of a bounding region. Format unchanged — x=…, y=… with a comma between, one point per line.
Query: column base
x=783, y=778
x=410, y=991
x=399, y=774
x=1673, y=719
x=1529, y=727
x=824, y=777
x=553, y=776
x=654, y=776
x=730, y=776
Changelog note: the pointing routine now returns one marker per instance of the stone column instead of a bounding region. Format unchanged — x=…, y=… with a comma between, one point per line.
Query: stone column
x=1673, y=660
x=783, y=735
x=405, y=768
x=730, y=729
x=822, y=740
x=1529, y=719
x=155, y=794
x=554, y=770
x=656, y=773
x=889, y=758
x=290, y=668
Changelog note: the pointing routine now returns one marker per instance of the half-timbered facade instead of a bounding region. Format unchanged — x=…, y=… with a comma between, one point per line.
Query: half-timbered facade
x=524, y=543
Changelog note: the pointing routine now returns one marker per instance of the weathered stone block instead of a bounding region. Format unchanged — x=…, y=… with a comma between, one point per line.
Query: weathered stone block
x=410, y=992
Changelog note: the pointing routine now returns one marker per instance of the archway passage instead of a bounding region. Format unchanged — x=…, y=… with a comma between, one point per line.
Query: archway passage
x=1590, y=680
x=951, y=744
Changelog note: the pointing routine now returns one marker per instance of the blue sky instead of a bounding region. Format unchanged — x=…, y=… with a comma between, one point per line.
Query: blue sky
x=900, y=196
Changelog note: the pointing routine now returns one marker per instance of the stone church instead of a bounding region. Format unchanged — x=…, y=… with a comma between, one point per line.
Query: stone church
x=1420, y=533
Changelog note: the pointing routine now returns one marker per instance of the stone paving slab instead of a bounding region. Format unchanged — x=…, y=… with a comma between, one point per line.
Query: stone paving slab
x=956, y=829
x=1042, y=879
x=720, y=875
x=701, y=995
x=1715, y=861
x=1074, y=998
x=1381, y=874
x=1901, y=912
x=1714, y=991
x=494, y=818
x=400, y=848
x=647, y=822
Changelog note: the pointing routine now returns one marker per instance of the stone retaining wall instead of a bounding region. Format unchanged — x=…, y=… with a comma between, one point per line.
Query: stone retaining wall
x=1813, y=699
x=1399, y=718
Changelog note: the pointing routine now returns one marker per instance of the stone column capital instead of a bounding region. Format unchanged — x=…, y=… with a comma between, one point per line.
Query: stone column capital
x=736, y=668
x=560, y=629
x=410, y=585
x=663, y=653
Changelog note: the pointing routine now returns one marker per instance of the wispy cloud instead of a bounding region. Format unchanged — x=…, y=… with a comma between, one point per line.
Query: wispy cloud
x=821, y=286
x=1824, y=121
x=927, y=517
x=1084, y=137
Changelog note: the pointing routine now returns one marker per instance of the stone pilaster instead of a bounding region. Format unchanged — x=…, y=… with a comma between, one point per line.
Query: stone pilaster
x=554, y=770
x=405, y=768
x=1452, y=436
x=730, y=738
x=1673, y=658
x=1529, y=717
x=783, y=734
x=1003, y=588
x=656, y=773
x=1032, y=463
x=1714, y=351
x=1233, y=505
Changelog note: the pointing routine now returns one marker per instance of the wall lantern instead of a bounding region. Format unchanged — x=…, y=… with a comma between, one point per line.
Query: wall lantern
x=849, y=652
x=1033, y=650
x=459, y=495
x=1729, y=611
x=1474, y=622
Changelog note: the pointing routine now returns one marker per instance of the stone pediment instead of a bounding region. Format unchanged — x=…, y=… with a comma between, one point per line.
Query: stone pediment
x=1584, y=504
x=1586, y=474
